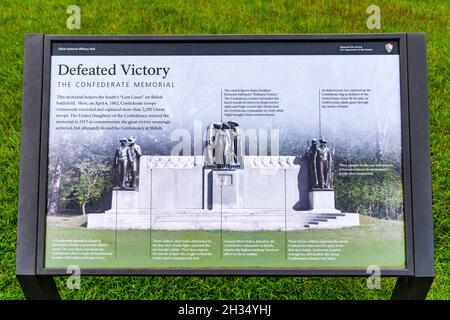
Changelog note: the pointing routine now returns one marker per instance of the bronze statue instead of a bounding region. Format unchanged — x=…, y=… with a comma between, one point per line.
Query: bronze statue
x=236, y=143
x=211, y=143
x=121, y=159
x=224, y=145
x=320, y=165
x=312, y=157
x=324, y=165
x=133, y=165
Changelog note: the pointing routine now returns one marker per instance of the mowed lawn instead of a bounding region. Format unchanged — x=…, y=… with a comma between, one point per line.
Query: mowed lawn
x=222, y=17
x=374, y=242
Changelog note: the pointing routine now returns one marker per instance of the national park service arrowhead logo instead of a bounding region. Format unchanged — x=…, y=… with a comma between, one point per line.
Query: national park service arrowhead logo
x=389, y=46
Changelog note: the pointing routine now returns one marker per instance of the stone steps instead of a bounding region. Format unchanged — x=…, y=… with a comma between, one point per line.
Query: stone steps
x=207, y=220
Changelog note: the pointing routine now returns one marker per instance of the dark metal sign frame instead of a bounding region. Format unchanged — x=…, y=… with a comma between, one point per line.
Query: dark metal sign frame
x=414, y=281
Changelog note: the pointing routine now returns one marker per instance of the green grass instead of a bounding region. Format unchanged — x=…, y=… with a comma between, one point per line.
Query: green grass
x=214, y=17
x=366, y=246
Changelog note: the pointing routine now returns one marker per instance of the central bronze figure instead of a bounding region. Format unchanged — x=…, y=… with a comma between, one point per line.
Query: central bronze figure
x=224, y=145
x=320, y=165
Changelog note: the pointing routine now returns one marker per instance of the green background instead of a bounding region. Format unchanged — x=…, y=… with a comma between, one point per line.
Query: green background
x=222, y=17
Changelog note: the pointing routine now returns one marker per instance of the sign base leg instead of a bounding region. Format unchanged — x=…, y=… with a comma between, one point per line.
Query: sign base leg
x=39, y=287
x=412, y=288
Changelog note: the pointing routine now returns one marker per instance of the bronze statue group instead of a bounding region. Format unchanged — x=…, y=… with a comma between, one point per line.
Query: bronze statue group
x=224, y=145
x=320, y=164
x=126, y=161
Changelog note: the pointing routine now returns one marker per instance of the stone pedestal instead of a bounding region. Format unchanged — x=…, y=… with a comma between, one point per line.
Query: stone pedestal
x=222, y=188
x=225, y=189
x=322, y=201
x=124, y=201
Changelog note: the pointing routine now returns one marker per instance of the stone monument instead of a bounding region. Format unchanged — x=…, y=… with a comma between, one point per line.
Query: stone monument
x=225, y=189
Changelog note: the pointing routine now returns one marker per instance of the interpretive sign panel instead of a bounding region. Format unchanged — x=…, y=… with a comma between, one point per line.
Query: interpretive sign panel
x=227, y=155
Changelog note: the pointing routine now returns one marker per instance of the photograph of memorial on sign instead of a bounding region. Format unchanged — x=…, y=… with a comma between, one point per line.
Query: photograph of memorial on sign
x=171, y=157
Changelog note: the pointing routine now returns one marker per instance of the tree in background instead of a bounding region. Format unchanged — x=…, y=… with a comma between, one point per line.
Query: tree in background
x=61, y=162
x=69, y=156
x=94, y=177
